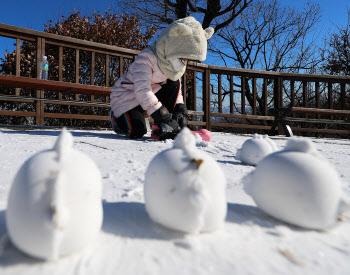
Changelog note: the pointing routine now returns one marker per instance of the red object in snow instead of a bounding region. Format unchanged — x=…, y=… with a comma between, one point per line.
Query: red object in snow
x=204, y=133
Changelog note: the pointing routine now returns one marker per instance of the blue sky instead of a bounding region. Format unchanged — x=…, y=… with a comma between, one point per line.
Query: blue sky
x=33, y=14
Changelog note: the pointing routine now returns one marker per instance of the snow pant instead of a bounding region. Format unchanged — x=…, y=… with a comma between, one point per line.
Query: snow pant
x=132, y=123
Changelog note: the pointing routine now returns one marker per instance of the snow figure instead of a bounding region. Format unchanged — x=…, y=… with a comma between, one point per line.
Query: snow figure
x=185, y=188
x=54, y=206
x=297, y=185
x=255, y=149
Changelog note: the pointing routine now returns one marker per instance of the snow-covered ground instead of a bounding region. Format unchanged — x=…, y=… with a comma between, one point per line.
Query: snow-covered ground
x=130, y=243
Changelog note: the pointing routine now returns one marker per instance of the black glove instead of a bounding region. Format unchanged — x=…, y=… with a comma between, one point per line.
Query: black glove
x=168, y=127
x=180, y=114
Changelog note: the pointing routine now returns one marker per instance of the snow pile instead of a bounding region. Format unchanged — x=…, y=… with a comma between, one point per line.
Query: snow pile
x=130, y=236
x=54, y=207
x=185, y=188
x=297, y=185
x=255, y=149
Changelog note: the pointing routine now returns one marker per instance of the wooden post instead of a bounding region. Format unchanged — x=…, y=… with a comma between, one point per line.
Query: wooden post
x=60, y=68
x=18, y=61
x=184, y=87
x=77, y=69
x=317, y=95
x=107, y=74
x=243, y=79
x=305, y=98
x=330, y=97
x=254, y=95
x=219, y=94
x=265, y=97
x=342, y=96
x=92, y=80
x=231, y=94
x=194, y=91
x=206, y=99
x=121, y=65
x=39, y=93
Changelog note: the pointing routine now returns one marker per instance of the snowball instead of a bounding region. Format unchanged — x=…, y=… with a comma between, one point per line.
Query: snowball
x=185, y=188
x=298, y=186
x=255, y=149
x=54, y=206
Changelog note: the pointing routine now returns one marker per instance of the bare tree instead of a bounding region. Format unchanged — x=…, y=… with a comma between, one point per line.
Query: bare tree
x=270, y=37
x=215, y=13
x=336, y=54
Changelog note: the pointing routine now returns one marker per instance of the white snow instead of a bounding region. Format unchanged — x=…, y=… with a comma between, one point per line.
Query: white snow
x=297, y=185
x=185, y=188
x=255, y=149
x=250, y=242
x=54, y=206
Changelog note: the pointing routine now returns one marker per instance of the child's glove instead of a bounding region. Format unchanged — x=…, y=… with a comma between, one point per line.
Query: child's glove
x=180, y=114
x=168, y=127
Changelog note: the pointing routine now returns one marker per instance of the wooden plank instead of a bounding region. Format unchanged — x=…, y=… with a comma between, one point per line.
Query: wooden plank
x=31, y=34
x=58, y=86
x=196, y=113
x=241, y=126
x=54, y=101
x=243, y=116
x=321, y=121
x=196, y=123
x=16, y=99
x=17, y=113
x=76, y=116
x=6, y=33
x=317, y=130
x=320, y=111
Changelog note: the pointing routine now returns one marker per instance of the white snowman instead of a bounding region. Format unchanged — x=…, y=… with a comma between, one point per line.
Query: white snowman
x=54, y=206
x=185, y=188
x=255, y=149
x=297, y=185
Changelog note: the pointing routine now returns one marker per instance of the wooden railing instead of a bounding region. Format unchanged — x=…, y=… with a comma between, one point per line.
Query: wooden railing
x=95, y=105
x=217, y=97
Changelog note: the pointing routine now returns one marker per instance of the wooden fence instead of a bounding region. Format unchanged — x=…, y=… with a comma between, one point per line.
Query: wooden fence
x=217, y=97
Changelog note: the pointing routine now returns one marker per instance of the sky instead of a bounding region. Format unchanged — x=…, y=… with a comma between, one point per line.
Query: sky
x=34, y=14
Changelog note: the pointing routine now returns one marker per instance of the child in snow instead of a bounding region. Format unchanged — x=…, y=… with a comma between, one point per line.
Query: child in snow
x=153, y=86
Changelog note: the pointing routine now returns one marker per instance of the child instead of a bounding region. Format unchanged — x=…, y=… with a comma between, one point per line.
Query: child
x=152, y=84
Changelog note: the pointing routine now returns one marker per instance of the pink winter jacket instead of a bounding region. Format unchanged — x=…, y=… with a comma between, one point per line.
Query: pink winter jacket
x=138, y=86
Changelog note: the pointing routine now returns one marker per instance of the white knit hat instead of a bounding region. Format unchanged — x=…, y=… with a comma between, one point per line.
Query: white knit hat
x=184, y=38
